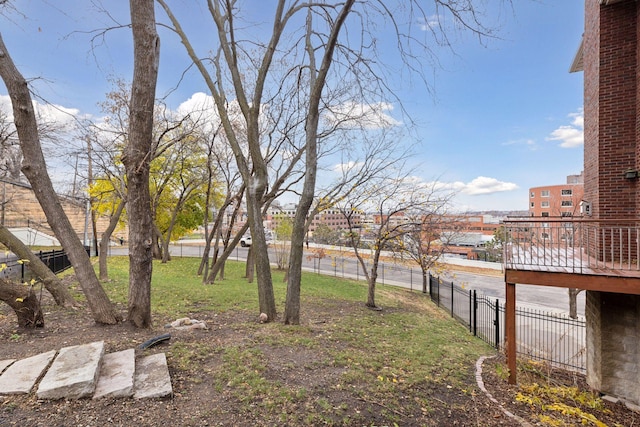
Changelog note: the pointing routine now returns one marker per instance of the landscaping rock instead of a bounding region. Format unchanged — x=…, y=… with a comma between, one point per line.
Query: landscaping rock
x=74, y=373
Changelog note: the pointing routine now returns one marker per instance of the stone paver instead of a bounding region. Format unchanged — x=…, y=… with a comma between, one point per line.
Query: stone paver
x=152, y=377
x=5, y=363
x=74, y=372
x=21, y=376
x=116, y=375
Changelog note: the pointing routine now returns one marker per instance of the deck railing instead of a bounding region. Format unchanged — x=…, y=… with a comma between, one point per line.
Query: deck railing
x=572, y=245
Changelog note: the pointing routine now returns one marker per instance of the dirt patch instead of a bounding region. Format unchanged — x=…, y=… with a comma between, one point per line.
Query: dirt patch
x=299, y=383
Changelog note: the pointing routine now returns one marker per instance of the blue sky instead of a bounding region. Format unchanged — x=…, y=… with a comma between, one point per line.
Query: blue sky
x=502, y=117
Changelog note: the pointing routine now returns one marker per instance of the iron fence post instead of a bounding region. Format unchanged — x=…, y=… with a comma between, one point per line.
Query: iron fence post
x=470, y=311
x=475, y=313
x=452, y=299
x=496, y=322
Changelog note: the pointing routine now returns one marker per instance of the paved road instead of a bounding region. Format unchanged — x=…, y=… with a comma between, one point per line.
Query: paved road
x=536, y=297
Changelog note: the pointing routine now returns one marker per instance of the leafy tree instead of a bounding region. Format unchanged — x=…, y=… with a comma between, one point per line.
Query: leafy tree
x=495, y=246
x=325, y=235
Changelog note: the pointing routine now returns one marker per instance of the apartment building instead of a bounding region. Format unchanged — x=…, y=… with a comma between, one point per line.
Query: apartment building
x=332, y=218
x=563, y=200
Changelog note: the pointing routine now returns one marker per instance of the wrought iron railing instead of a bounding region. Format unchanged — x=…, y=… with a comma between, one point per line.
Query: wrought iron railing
x=554, y=338
x=572, y=245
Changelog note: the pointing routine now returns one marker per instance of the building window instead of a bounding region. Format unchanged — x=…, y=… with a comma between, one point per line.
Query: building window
x=566, y=214
x=545, y=213
x=567, y=192
x=533, y=205
x=544, y=193
x=567, y=203
x=545, y=204
x=532, y=195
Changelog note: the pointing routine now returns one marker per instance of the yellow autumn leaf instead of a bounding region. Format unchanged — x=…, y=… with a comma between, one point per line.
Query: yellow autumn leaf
x=19, y=299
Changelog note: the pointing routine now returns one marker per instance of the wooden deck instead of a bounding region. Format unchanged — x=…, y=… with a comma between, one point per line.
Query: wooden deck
x=570, y=268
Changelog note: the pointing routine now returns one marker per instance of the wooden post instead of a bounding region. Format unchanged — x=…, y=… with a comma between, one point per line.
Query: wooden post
x=510, y=330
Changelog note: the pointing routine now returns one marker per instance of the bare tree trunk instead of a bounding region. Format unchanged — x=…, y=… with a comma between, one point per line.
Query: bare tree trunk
x=51, y=282
x=250, y=265
x=219, y=263
x=573, y=302
x=425, y=281
x=23, y=302
x=104, y=241
x=215, y=231
x=138, y=155
x=157, y=241
x=266, y=297
x=34, y=168
x=294, y=275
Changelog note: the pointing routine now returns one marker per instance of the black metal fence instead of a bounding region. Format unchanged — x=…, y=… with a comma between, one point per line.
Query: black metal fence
x=17, y=269
x=554, y=338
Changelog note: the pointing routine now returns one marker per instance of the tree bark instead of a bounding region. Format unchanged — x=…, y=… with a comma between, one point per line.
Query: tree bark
x=52, y=283
x=318, y=79
x=34, y=168
x=249, y=266
x=137, y=157
x=104, y=241
x=23, y=302
x=219, y=263
x=573, y=302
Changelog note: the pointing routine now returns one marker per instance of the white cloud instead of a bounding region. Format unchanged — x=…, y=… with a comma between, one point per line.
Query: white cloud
x=484, y=185
x=570, y=136
x=344, y=168
x=429, y=22
x=48, y=113
x=481, y=185
x=199, y=102
x=368, y=116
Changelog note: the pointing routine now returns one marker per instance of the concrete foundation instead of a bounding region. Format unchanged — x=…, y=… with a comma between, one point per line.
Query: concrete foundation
x=613, y=344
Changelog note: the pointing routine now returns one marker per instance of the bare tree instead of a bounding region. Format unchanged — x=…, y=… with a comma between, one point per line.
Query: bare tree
x=398, y=204
x=34, y=168
x=10, y=154
x=334, y=45
x=318, y=76
x=138, y=156
x=424, y=241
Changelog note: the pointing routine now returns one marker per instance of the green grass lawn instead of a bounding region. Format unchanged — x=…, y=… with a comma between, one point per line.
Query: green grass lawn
x=351, y=357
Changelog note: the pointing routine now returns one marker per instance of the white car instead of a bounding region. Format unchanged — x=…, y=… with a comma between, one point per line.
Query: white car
x=245, y=241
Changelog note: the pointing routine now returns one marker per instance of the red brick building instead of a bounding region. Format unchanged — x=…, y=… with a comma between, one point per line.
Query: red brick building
x=557, y=200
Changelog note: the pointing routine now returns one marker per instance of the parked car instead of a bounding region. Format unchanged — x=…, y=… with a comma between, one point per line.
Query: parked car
x=245, y=241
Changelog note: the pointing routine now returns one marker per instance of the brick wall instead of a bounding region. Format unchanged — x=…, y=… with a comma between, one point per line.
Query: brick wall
x=612, y=128
x=21, y=208
x=613, y=344
x=611, y=105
